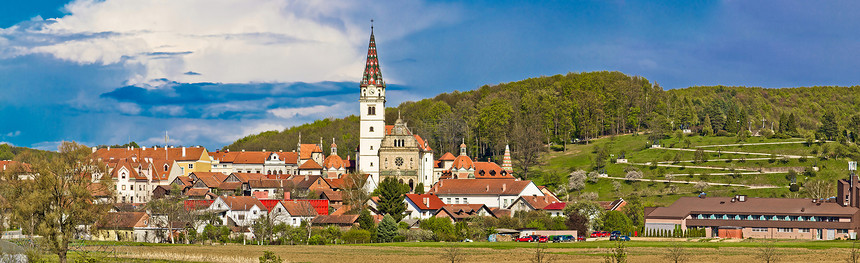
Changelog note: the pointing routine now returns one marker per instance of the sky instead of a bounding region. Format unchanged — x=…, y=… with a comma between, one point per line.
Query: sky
x=210, y=72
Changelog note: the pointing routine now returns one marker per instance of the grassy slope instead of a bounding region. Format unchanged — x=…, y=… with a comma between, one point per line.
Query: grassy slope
x=656, y=193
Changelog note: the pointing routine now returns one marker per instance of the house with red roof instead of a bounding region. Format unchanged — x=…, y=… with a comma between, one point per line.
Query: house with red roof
x=237, y=211
x=462, y=212
x=537, y=203
x=259, y=162
x=491, y=192
x=422, y=206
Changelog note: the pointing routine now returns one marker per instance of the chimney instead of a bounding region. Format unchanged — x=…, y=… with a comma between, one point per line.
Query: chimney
x=94, y=151
x=183, y=151
x=132, y=147
x=108, y=148
x=264, y=149
x=243, y=150
x=488, y=188
x=306, y=177
x=427, y=201
x=143, y=148
x=504, y=187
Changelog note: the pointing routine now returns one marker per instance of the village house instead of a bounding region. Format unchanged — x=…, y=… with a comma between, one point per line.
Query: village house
x=260, y=162
x=463, y=212
x=238, y=211
x=126, y=226
x=422, y=206
x=491, y=192
x=537, y=203
x=293, y=212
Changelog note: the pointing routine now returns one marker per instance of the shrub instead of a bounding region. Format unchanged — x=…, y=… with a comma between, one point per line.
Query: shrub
x=794, y=188
x=356, y=236
x=270, y=257
x=316, y=240
x=557, y=148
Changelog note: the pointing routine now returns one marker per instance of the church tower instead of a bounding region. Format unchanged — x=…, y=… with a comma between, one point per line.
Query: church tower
x=372, y=124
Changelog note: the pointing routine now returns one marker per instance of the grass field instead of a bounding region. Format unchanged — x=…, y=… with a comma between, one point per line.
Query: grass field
x=592, y=251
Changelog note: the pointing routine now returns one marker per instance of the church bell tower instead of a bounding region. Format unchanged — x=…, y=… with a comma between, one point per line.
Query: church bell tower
x=372, y=123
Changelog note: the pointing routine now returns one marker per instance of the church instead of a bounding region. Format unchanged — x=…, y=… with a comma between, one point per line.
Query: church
x=389, y=150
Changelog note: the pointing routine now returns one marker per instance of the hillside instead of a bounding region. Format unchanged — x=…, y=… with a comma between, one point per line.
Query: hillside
x=8, y=152
x=581, y=106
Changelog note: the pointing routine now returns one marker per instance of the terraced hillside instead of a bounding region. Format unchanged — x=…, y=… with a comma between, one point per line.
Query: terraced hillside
x=688, y=165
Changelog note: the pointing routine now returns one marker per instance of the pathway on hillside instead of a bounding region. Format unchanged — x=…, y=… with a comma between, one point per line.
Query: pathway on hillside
x=718, y=160
x=685, y=182
x=748, y=144
x=734, y=152
x=741, y=173
x=697, y=167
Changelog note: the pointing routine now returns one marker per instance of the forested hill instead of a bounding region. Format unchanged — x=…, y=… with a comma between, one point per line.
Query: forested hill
x=581, y=106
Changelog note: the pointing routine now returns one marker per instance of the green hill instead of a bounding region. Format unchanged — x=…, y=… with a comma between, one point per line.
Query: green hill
x=556, y=110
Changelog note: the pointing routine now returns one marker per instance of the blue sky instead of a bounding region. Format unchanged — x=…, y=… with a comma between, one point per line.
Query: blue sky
x=110, y=71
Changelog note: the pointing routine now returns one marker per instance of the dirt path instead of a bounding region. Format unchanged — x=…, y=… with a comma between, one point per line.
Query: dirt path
x=693, y=166
x=733, y=152
x=685, y=182
x=748, y=144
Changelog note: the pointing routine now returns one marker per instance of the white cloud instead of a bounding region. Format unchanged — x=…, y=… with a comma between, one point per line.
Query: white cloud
x=225, y=41
x=289, y=113
x=13, y=134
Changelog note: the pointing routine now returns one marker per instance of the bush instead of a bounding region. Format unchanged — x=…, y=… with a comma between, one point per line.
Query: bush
x=387, y=229
x=420, y=235
x=316, y=240
x=723, y=133
x=557, y=148
x=356, y=236
x=794, y=188
x=398, y=238
x=270, y=257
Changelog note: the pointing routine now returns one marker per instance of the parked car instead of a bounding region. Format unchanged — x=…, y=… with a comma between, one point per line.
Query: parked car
x=580, y=238
x=531, y=238
x=599, y=234
x=561, y=238
x=543, y=239
x=619, y=238
x=615, y=233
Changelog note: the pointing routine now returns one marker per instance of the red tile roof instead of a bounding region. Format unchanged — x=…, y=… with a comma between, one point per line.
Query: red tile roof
x=333, y=161
x=289, y=157
x=421, y=143
x=224, y=157
x=242, y=203
x=246, y=177
x=335, y=183
x=332, y=195
x=463, y=162
x=191, y=153
x=447, y=157
x=426, y=201
x=462, y=211
x=197, y=192
x=539, y=202
x=310, y=165
x=197, y=204
x=308, y=149
x=124, y=220
x=490, y=170
x=479, y=187
x=299, y=208
x=344, y=220
x=252, y=157
x=555, y=206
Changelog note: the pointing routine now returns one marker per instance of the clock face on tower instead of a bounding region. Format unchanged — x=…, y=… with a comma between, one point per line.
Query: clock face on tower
x=371, y=92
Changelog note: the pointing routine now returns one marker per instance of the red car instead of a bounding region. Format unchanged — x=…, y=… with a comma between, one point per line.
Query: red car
x=599, y=234
x=531, y=238
x=543, y=239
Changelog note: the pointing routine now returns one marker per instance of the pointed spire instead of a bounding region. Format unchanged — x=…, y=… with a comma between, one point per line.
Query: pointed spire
x=463, y=148
x=506, y=162
x=372, y=73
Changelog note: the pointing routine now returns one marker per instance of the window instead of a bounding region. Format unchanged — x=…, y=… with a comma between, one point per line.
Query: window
x=123, y=175
x=803, y=230
x=457, y=200
x=371, y=128
x=759, y=229
x=785, y=230
x=842, y=231
x=371, y=110
x=132, y=187
x=190, y=166
x=165, y=167
x=123, y=187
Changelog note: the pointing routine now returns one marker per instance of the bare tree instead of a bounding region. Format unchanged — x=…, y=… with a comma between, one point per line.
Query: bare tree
x=541, y=255
x=169, y=212
x=701, y=185
x=593, y=177
x=590, y=196
x=633, y=175
x=452, y=253
x=854, y=253
x=354, y=193
x=526, y=143
x=818, y=189
x=616, y=254
x=768, y=253
x=676, y=253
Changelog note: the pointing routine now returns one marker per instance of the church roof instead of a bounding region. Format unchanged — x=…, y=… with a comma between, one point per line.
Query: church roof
x=463, y=162
x=372, y=73
x=308, y=149
x=447, y=157
x=310, y=165
x=333, y=161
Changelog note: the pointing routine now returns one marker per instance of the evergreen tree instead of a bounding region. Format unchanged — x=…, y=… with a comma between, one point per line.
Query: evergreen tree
x=792, y=124
x=783, y=124
x=391, y=195
x=387, y=229
x=365, y=220
x=829, y=128
x=708, y=129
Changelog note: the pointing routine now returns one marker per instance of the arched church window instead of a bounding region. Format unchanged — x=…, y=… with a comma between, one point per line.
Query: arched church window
x=371, y=128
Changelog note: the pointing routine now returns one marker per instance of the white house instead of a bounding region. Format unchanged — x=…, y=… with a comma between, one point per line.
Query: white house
x=292, y=212
x=422, y=206
x=238, y=210
x=490, y=192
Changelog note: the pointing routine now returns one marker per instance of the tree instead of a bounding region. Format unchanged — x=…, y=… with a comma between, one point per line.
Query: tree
x=676, y=253
x=635, y=210
x=354, y=193
x=419, y=189
x=854, y=253
x=817, y=189
x=617, y=253
x=387, y=229
x=588, y=209
x=767, y=252
x=576, y=181
x=616, y=221
x=541, y=255
x=526, y=143
x=391, y=195
x=633, y=175
x=169, y=212
x=263, y=229
x=708, y=130
x=701, y=186
x=452, y=253
x=60, y=196
x=577, y=222
x=365, y=220
x=829, y=128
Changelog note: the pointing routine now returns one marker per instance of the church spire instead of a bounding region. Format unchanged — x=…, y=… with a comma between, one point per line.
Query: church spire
x=372, y=73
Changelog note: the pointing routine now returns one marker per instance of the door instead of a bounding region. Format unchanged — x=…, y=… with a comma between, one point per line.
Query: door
x=831, y=234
